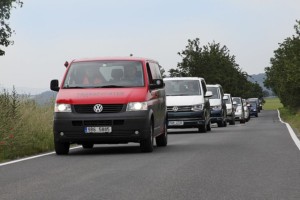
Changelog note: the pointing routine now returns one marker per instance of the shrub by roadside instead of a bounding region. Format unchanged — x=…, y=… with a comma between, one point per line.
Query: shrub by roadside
x=25, y=127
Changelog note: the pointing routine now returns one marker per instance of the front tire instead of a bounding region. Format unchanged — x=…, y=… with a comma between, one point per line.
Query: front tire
x=87, y=145
x=162, y=140
x=61, y=148
x=146, y=145
x=202, y=129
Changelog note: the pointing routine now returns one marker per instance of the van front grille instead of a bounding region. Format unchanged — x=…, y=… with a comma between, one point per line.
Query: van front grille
x=179, y=108
x=107, y=108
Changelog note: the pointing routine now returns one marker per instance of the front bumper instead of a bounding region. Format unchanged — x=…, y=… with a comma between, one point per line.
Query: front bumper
x=70, y=127
x=216, y=116
x=192, y=119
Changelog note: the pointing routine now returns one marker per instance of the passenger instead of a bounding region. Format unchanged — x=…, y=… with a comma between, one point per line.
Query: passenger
x=92, y=76
x=131, y=75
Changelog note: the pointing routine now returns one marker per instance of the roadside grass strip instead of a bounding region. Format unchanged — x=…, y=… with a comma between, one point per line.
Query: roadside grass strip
x=291, y=131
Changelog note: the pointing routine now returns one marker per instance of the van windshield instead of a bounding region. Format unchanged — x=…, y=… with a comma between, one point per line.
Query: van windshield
x=104, y=74
x=182, y=87
x=215, y=91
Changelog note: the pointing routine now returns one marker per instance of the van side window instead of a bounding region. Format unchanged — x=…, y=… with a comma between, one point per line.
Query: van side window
x=155, y=71
x=150, y=77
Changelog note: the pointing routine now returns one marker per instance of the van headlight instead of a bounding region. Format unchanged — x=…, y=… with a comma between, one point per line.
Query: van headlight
x=197, y=107
x=136, y=106
x=62, y=107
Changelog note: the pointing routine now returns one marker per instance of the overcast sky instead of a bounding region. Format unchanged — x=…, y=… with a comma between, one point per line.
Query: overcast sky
x=49, y=32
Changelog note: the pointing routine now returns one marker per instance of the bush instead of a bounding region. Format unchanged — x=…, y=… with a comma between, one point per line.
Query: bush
x=25, y=127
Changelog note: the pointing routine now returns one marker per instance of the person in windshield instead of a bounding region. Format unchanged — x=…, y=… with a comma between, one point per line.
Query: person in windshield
x=92, y=76
x=131, y=75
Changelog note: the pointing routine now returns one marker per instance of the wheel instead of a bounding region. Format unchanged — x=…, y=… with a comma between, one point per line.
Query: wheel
x=87, y=145
x=225, y=123
x=162, y=140
x=242, y=121
x=61, y=148
x=232, y=122
x=220, y=124
x=202, y=129
x=146, y=145
x=208, y=126
x=256, y=115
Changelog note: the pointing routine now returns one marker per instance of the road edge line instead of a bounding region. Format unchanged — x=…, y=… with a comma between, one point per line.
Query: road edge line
x=31, y=157
x=291, y=131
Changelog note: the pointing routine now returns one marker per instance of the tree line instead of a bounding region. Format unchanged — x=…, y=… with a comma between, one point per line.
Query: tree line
x=214, y=63
x=283, y=76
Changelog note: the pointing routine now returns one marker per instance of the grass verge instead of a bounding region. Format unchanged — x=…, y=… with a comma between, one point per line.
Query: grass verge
x=293, y=118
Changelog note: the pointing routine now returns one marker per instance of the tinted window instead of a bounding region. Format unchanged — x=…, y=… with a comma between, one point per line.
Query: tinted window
x=228, y=101
x=237, y=100
x=182, y=87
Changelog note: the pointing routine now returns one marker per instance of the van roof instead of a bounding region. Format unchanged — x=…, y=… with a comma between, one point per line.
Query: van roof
x=183, y=78
x=213, y=85
x=113, y=59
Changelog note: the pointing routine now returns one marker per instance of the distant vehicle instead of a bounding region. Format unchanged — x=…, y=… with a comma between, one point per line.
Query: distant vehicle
x=253, y=109
x=110, y=101
x=257, y=101
x=187, y=103
x=218, y=112
x=230, y=107
x=246, y=109
x=239, y=111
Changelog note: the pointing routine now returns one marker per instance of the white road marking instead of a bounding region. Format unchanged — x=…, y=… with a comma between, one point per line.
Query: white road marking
x=292, y=133
x=32, y=157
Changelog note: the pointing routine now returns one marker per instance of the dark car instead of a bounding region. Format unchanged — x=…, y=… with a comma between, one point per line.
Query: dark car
x=253, y=109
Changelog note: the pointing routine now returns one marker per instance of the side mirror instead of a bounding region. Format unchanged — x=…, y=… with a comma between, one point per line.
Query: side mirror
x=54, y=85
x=208, y=94
x=157, y=84
x=66, y=64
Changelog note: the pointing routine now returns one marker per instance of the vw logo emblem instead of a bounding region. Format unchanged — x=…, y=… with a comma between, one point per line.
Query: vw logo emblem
x=175, y=108
x=98, y=108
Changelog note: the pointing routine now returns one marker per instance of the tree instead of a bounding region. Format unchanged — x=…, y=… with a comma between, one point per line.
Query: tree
x=283, y=76
x=5, y=30
x=214, y=63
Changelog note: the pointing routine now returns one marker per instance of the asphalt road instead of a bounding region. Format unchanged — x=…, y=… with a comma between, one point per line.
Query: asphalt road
x=258, y=160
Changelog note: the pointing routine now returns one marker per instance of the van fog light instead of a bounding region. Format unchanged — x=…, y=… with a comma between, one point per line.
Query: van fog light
x=136, y=132
x=61, y=134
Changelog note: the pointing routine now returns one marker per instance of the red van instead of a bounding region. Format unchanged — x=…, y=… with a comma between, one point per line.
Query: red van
x=110, y=101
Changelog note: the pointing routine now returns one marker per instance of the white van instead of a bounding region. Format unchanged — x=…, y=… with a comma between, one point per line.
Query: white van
x=218, y=112
x=187, y=103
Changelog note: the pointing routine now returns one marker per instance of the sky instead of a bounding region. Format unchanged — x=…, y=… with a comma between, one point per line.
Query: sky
x=50, y=32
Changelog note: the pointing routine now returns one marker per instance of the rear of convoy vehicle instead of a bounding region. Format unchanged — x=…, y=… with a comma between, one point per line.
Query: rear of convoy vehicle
x=218, y=112
x=110, y=101
x=187, y=103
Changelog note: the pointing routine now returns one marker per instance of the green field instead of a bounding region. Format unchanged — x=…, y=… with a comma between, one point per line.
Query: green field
x=272, y=104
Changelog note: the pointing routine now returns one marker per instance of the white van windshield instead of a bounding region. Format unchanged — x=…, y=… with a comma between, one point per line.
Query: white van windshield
x=215, y=91
x=182, y=87
x=101, y=74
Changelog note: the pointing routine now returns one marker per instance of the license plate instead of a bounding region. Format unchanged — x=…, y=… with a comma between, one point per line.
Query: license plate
x=175, y=123
x=102, y=129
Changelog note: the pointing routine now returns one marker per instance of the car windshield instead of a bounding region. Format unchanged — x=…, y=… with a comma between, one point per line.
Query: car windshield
x=227, y=101
x=215, y=92
x=182, y=87
x=237, y=100
x=104, y=74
